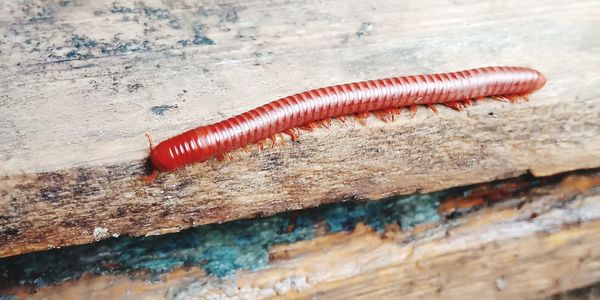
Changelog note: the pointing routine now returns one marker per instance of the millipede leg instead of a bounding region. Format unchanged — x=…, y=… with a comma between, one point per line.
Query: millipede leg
x=151, y=177
x=325, y=123
x=387, y=115
x=361, y=117
x=454, y=105
x=395, y=112
x=293, y=133
x=261, y=144
x=272, y=139
x=500, y=98
x=342, y=119
x=432, y=108
x=467, y=102
x=413, y=111
x=281, y=138
x=310, y=126
x=383, y=115
x=513, y=98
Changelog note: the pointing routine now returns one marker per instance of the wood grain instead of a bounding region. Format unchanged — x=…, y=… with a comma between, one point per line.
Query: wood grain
x=539, y=243
x=82, y=81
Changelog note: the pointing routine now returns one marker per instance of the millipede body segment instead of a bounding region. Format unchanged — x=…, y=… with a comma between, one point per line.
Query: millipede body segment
x=382, y=97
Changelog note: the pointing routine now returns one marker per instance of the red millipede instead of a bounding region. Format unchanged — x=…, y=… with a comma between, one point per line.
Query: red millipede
x=383, y=97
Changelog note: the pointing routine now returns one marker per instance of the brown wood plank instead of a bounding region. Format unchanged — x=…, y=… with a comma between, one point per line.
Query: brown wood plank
x=537, y=243
x=82, y=81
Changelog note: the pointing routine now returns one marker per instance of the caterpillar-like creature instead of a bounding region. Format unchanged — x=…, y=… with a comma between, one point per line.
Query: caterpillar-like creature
x=383, y=97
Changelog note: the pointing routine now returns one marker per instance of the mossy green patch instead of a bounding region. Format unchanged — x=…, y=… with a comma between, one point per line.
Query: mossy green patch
x=220, y=249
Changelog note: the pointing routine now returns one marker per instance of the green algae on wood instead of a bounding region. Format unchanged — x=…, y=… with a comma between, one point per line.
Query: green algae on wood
x=219, y=249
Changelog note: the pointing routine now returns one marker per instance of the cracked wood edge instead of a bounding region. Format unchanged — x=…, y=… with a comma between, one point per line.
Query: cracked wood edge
x=540, y=243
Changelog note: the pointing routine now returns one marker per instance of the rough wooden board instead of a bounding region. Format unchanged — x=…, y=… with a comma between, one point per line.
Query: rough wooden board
x=83, y=80
x=541, y=243
x=591, y=292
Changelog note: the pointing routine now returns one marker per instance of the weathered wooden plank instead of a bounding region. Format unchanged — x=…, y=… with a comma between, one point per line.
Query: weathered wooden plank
x=537, y=242
x=83, y=80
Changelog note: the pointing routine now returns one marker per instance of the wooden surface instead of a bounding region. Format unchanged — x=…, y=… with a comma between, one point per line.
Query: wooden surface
x=540, y=242
x=82, y=81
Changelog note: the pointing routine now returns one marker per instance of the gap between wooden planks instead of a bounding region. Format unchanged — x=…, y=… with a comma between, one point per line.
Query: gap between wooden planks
x=72, y=150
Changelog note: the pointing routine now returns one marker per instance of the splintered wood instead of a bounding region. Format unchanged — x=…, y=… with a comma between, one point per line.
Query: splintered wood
x=542, y=241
